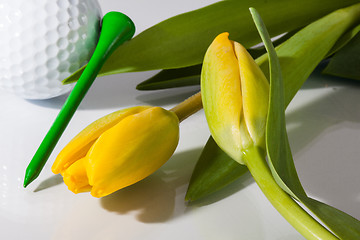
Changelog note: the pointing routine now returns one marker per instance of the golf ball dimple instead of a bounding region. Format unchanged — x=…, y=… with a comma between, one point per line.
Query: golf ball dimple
x=42, y=42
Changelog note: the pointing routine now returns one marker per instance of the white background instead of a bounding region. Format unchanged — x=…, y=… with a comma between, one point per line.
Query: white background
x=324, y=130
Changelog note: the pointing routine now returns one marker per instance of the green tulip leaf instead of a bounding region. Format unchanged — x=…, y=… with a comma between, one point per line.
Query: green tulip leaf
x=279, y=153
x=181, y=41
x=172, y=78
x=344, y=40
x=189, y=76
x=346, y=62
x=342, y=224
x=216, y=161
x=304, y=51
x=300, y=55
x=278, y=149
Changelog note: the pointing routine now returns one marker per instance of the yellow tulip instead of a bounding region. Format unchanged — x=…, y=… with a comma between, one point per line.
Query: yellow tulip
x=235, y=95
x=118, y=150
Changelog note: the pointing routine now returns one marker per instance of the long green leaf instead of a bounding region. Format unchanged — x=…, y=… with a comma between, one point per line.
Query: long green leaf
x=213, y=159
x=345, y=39
x=279, y=153
x=300, y=55
x=346, y=62
x=303, y=52
x=277, y=145
x=181, y=41
x=342, y=224
x=188, y=76
x=172, y=78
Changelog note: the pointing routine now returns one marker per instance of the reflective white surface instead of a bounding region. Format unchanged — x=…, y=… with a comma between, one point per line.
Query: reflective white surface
x=323, y=125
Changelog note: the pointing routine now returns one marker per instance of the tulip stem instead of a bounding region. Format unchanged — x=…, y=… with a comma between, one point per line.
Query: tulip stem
x=286, y=206
x=188, y=107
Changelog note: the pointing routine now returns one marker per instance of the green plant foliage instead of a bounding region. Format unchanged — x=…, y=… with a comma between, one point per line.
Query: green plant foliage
x=181, y=41
x=188, y=76
x=346, y=62
x=203, y=180
x=344, y=40
x=172, y=78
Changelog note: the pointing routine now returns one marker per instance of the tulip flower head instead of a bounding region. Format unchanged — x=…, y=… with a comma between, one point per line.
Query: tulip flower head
x=235, y=95
x=118, y=150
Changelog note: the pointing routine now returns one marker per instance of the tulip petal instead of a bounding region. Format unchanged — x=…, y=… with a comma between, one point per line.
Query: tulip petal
x=75, y=177
x=255, y=94
x=132, y=150
x=221, y=95
x=78, y=147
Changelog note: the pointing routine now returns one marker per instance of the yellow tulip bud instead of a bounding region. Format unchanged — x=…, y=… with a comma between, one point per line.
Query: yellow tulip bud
x=118, y=150
x=235, y=95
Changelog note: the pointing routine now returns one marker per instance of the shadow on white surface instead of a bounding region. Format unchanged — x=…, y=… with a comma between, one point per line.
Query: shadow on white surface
x=55, y=102
x=153, y=199
x=106, y=92
x=50, y=182
x=117, y=91
x=169, y=96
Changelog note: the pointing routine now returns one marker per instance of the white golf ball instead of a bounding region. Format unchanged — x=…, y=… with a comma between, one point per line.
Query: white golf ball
x=44, y=41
